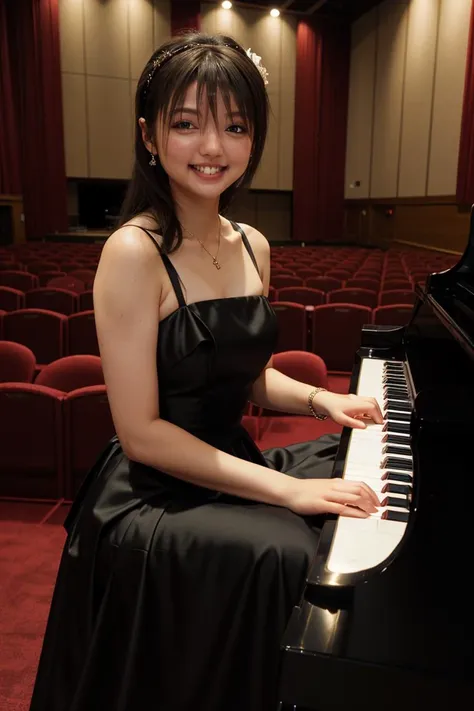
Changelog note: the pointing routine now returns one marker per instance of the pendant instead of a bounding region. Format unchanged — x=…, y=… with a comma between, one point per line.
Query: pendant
x=216, y=263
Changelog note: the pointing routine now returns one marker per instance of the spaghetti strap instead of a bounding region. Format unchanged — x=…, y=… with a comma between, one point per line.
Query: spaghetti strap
x=170, y=268
x=247, y=245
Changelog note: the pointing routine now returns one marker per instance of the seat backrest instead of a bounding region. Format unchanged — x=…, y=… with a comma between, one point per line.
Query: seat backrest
x=302, y=295
x=41, y=330
x=337, y=333
x=292, y=326
x=72, y=372
x=82, y=334
x=17, y=363
x=11, y=299
x=392, y=315
x=31, y=455
x=62, y=301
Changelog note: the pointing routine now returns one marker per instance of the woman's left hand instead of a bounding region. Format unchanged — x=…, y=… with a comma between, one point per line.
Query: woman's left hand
x=348, y=410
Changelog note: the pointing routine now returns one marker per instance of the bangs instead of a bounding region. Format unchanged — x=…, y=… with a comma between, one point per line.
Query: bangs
x=216, y=75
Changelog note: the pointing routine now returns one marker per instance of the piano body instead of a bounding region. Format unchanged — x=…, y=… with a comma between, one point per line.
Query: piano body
x=386, y=618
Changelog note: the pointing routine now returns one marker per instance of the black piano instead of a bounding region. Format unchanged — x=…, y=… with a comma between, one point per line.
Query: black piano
x=386, y=619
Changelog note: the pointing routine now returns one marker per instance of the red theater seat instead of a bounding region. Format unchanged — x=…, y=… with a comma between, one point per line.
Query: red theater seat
x=72, y=372
x=17, y=363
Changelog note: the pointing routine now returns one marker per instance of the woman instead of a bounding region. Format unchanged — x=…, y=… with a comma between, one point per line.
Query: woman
x=187, y=547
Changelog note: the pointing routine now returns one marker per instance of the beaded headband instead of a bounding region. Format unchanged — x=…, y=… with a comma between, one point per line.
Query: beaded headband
x=165, y=56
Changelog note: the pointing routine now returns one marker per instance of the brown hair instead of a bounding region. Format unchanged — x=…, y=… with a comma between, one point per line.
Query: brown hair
x=217, y=68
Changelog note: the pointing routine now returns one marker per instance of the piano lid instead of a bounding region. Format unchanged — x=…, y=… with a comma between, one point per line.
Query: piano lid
x=452, y=294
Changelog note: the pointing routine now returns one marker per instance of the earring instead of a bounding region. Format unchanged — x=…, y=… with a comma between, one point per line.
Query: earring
x=152, y=161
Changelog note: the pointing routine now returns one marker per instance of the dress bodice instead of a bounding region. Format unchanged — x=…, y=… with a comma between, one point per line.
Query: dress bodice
x=208, y=356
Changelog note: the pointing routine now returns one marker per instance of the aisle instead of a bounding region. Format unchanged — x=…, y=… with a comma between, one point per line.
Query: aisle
x=30, y=549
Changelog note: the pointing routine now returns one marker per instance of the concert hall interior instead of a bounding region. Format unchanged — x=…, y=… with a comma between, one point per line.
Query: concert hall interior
x=364, y=192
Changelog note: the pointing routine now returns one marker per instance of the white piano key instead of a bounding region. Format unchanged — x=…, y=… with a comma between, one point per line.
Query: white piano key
x=361, y=544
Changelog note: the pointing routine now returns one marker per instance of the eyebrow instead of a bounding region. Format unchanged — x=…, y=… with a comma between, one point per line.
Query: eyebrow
x=190, y=110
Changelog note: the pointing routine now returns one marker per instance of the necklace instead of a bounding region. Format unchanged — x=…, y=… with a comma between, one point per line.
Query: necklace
x=214, y=259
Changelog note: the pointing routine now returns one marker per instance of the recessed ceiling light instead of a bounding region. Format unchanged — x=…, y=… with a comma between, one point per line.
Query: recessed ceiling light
x=275, y=12
x=226, y=5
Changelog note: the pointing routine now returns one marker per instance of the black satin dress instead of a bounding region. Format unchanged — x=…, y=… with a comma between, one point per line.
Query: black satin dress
x=172, y=597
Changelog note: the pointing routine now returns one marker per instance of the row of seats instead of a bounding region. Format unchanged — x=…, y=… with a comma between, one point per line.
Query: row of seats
x=67, y=302
x=64, y=417
x=63, y=301
x=50, y=335
x=78, y=281
x=332, y=330
x=364, y=297
x=329, y=283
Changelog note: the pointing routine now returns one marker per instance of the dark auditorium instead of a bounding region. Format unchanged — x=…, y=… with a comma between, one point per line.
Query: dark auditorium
x=236, y=355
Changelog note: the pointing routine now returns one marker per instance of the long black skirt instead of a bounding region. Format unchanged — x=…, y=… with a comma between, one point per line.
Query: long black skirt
x=172, y=598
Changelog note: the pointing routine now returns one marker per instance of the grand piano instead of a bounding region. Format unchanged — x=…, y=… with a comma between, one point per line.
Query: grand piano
x=386, y=619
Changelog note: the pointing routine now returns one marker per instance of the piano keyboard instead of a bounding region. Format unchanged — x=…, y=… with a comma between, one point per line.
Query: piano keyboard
x=380, y=456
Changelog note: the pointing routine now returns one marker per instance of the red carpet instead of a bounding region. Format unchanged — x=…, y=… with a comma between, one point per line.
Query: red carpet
x=30, y=549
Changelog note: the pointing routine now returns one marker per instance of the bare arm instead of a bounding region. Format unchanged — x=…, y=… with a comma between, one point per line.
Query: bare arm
x=127, y=292
x=275, y=391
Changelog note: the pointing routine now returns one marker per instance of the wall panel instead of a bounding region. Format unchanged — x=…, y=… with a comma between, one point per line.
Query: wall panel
x=418, y=97
x=416, y=50
x=361, y=105
x=389, y=75
x=109, y=121
x=448, y=96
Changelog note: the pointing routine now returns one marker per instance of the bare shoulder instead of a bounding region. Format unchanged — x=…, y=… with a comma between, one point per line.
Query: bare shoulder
x=131, y=242
x=259, y=243
x=255, y=237
x=261, y=249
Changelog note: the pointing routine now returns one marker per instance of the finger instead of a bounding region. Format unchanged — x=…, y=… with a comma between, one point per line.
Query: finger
x=347, y=421
x=349, y=511
x=346, y=498
x=359, y=488
x=371, y=410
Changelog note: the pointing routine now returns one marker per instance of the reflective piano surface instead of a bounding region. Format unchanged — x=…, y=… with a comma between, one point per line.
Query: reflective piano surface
x=386, y=619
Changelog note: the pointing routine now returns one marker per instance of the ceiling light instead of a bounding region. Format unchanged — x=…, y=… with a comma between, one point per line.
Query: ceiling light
x=226, y=5
x=275, y=12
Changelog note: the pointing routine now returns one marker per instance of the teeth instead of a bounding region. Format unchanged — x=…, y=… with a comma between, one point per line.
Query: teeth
x=207, y=170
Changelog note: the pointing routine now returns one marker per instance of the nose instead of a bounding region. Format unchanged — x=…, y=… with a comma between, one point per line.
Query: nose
x=211, y=144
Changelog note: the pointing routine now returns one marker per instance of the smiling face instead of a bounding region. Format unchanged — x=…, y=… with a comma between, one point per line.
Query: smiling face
x=203, y=154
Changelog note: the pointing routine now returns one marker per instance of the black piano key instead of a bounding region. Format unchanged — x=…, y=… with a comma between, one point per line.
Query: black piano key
x=394, y=367
x=392, y=438
x=398, y=406
x=401, y=415
x=396, y=516
x=396, y=489
x=397, y=476
x=396, y=387
x=391, y=426
x=396, y=449
x=392, y=462
x=395, y=502
x=396, y=394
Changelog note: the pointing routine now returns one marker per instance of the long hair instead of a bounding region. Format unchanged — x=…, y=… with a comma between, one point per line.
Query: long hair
x=216, y=68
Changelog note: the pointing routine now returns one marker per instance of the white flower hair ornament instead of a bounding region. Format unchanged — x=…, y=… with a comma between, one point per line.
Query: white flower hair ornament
x=258, y=63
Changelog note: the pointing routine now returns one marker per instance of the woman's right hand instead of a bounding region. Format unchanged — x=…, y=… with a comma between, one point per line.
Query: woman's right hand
x=337, y=496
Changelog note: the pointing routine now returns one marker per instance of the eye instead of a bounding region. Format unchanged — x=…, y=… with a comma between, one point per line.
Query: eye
x=240, y=131
x=183, y=125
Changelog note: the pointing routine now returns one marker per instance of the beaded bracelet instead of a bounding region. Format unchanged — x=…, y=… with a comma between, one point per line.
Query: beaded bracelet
x=312, y=394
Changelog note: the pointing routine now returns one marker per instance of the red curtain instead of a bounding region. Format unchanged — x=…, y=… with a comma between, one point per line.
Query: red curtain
x=33, y=45
x=10, y=179
x=322, y=92
x=465, y=182
x=185, y=15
